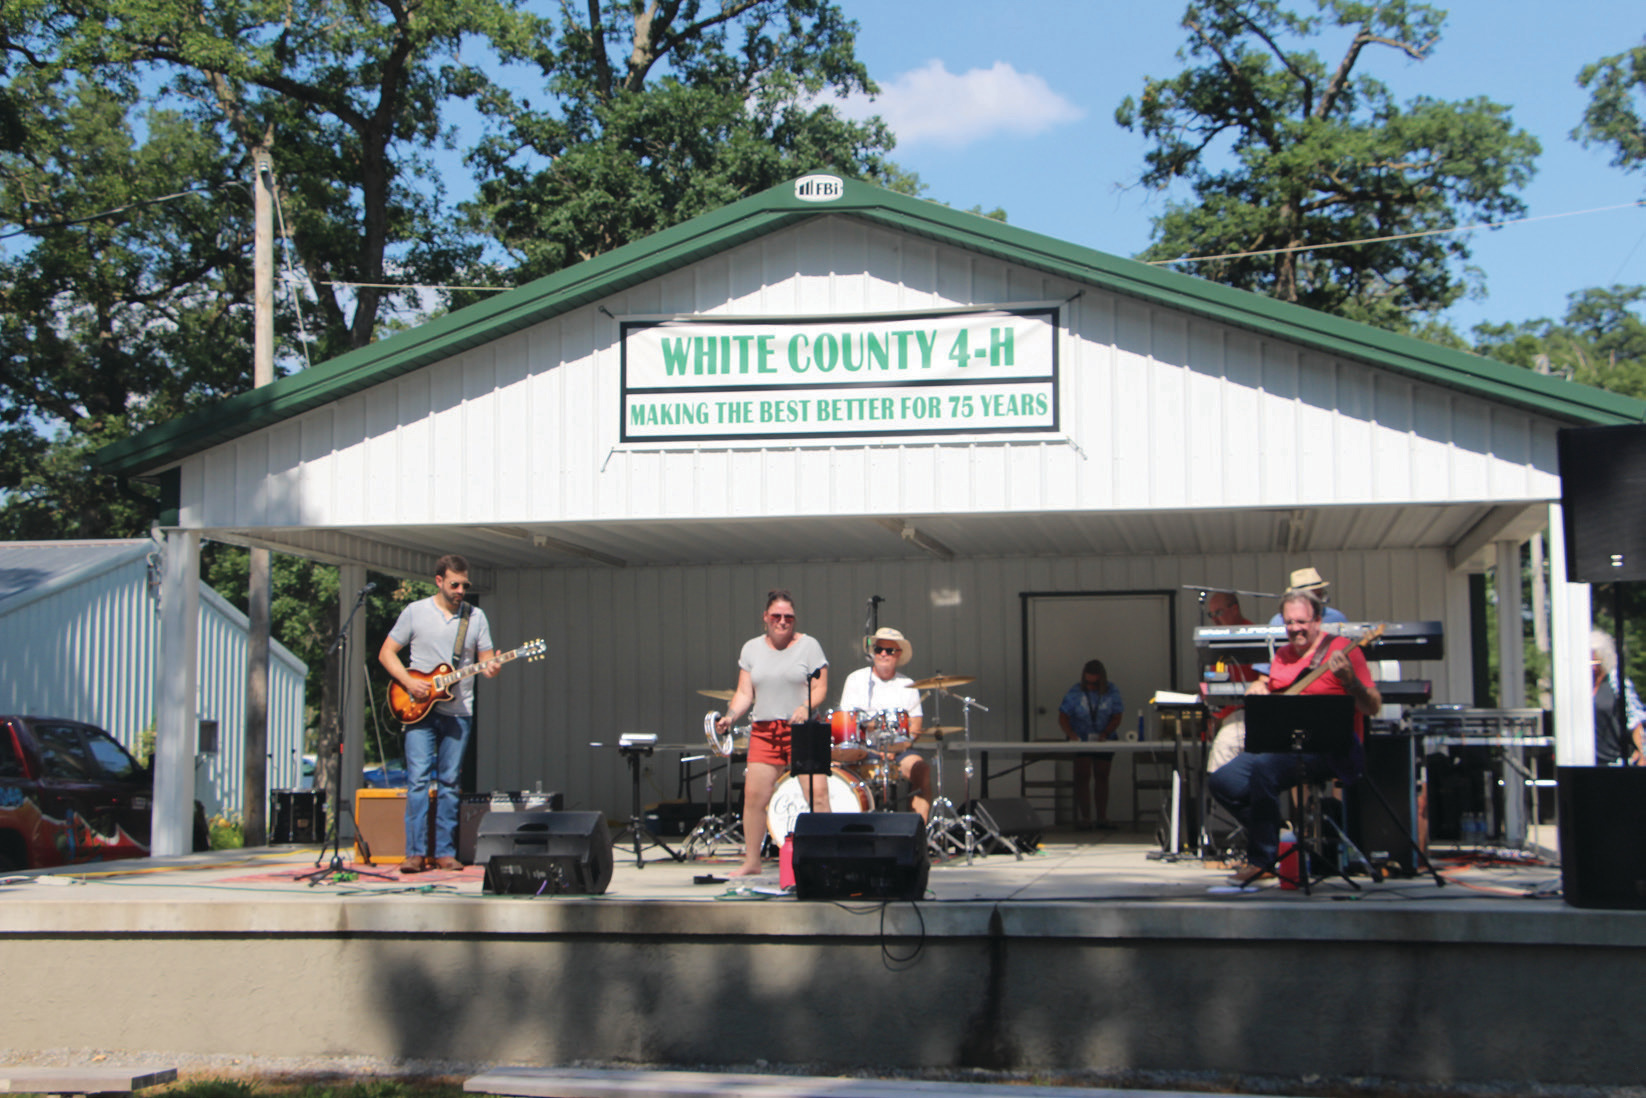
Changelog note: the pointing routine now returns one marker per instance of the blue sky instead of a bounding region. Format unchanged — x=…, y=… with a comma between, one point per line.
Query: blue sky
x=1012, y=105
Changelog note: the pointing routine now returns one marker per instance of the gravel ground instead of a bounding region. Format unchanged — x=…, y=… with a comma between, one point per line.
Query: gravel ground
x=334, y=1070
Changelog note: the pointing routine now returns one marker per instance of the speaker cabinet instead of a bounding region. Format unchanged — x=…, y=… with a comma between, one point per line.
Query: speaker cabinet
x=299, y=816
x=1602, y=835
x=1014, y=817
x=1602, y=480
x=472, y=808
x=538, y=853
x=380, y=825
x=1391, y=767
x=852, y=855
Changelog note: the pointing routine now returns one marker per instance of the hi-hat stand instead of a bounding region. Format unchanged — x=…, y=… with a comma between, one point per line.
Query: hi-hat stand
x=633, y=748
x=969, y=832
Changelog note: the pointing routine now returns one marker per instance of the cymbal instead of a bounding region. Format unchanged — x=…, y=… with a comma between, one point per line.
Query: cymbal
x=943, y=682
x=718, y=695
x=942, y=730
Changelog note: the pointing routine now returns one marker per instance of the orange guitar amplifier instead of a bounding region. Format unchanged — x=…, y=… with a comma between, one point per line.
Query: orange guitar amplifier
x=380, y=825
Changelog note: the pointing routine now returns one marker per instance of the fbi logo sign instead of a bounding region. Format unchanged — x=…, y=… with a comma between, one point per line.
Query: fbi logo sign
x=819, y=188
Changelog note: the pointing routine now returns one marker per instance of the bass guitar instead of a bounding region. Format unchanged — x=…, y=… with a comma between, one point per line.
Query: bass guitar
x=1366, y=638
x=408, y=710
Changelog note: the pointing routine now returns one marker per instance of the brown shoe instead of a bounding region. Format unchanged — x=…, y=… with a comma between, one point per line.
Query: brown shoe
x=413, y=863
x=448, y=863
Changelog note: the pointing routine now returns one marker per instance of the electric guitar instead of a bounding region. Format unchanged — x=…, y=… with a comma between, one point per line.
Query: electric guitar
x=1366, y=638
x=408, y=710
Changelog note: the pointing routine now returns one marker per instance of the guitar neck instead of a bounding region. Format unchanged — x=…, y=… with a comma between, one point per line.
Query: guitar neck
x=450, y=677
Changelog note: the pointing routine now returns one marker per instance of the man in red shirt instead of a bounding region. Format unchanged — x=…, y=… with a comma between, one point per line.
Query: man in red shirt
x=1250, y=785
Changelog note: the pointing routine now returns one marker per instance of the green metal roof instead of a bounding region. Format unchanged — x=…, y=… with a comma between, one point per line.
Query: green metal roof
x=778, y=208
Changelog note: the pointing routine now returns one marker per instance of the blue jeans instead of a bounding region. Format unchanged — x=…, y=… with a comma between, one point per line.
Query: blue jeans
x=1250, y=785
x=434, y=753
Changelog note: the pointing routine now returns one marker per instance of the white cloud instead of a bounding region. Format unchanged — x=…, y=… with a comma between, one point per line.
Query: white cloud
x=932, y=104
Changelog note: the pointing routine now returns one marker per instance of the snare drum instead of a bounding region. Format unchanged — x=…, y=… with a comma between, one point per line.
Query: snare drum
x=847, y=793
x=846, y=728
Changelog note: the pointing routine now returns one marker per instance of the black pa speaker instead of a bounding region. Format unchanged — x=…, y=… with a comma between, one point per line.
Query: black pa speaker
x=1602, y=491
x=1391, y=767
x=856, y=855
x=538, y=853
x=1602, y=835
x=299, y=816
x=1014, y=817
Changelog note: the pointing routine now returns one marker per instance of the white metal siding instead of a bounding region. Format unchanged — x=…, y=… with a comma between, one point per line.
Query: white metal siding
x=1163, y=410
x=89, y=652
x=629, y=648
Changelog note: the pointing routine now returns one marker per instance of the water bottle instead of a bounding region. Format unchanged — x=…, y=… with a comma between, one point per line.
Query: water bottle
x=1286, y=868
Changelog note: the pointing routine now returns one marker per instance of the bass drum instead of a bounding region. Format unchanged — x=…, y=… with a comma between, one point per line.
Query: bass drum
x=847, y=793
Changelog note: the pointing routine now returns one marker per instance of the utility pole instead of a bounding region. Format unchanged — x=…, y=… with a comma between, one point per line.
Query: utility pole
x=255, y=791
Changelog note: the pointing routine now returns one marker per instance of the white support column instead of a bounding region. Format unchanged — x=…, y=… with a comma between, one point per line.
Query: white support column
x=176, y=717
x=1569, y=624
x=1511, y=637
x=362, y=648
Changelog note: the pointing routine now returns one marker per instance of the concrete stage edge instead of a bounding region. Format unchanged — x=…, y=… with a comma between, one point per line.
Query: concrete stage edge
x=1469, y=990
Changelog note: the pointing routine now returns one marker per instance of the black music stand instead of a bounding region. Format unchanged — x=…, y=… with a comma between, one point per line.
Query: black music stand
x=1299, y=725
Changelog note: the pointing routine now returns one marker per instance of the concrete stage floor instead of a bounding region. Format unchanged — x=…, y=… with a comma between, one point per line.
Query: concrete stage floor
x=1086, y=955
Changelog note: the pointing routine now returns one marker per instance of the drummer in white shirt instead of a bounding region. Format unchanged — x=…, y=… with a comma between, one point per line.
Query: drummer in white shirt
x=881, y=688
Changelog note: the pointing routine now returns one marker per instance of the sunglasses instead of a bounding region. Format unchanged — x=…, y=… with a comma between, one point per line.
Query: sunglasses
x=460, y=586
x=779, y=617
x=882, y=650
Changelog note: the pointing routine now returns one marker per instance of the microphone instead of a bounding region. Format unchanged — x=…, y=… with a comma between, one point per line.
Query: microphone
x=814, y=674
x=368, y=589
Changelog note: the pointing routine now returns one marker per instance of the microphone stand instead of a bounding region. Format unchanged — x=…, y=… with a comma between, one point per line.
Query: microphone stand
x=811, y=778
x=337, y=865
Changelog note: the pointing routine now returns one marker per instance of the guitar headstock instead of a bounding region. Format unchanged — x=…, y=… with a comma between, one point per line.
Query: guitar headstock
x=534, y=650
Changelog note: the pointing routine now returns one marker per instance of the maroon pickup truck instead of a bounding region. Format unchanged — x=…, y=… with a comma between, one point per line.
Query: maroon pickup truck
x=69, y=793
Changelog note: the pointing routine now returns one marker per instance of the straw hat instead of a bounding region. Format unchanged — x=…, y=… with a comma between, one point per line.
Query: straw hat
x=892, y=635
x=1307, y=579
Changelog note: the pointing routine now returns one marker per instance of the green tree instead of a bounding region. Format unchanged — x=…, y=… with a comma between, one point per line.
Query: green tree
x=1616, y=115
x=663, y=111
x=115, y=312
x=1601, y=341
x=1317, y=168
x=349, y=101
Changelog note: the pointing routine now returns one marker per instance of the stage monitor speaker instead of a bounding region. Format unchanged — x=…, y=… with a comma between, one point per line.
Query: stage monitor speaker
x=1602, y=835
x=1602, y=480
x=1391, y=766
x=1014, y=817
x=299, y=816
x=860, y=855
x=545, y=852
x=472, y=808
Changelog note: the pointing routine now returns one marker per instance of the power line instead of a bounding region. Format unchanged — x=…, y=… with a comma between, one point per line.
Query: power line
x=405, y=286
x=1378, y=239
x=114, y=212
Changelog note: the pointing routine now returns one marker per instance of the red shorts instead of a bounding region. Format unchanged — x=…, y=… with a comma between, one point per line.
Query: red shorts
x=769, y=742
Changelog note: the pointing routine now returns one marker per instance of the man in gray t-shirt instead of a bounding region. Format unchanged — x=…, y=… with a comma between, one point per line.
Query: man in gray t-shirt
x=436, y=742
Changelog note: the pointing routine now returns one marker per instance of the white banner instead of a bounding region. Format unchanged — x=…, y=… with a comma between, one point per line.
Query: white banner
x=951, y=373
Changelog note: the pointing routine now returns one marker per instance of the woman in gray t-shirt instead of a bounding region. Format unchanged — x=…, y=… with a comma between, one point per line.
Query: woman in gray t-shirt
x=782, y=677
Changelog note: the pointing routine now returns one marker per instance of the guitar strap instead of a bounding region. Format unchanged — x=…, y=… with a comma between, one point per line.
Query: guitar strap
x=462, y=632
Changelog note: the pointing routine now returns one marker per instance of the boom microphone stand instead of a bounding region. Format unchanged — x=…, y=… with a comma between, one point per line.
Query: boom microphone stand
x=337, y=865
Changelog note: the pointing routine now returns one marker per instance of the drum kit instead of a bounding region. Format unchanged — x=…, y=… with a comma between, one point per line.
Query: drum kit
x=864, y=748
